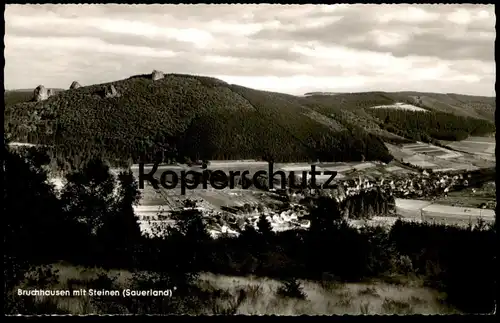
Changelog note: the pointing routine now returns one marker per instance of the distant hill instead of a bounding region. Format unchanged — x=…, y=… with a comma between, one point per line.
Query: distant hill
x=196, y=117
x=12, y=97
x=463, y=105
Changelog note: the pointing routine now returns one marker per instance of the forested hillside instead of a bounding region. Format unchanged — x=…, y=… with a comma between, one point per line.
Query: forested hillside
x=186, y=116
x=458, y=104
x=463, y=105
x=427, y=125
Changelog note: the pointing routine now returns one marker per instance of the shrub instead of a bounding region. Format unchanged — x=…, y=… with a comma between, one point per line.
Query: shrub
x=291, y=288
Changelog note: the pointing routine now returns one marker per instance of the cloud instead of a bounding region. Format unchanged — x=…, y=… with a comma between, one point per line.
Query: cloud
x=401, y=31
x=292, y=49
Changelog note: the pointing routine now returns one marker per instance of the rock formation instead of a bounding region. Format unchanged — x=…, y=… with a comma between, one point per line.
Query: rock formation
x=157, y=75
x=41, y=93
x=50, y=92
x=111, y=92
x=74, y=85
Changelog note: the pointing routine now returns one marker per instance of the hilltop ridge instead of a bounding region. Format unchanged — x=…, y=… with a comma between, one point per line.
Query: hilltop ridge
x=197, y=117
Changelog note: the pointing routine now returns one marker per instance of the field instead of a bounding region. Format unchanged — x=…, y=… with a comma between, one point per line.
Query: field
x=456, y=215
x=394, y=168
x=428, y=156
x=262, y=296
x=400, y=106
x=428, y=211
x=423, y=148
x=481, y=146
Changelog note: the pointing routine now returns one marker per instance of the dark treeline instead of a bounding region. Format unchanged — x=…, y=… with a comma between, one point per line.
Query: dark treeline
x=425, y=126
x=368, y=204
x=92, y=223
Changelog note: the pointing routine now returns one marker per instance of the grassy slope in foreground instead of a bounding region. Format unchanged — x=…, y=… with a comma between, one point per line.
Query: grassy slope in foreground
x=249, y=295
x=201, y=117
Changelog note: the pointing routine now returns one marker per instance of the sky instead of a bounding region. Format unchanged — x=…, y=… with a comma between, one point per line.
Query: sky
x=285, y=48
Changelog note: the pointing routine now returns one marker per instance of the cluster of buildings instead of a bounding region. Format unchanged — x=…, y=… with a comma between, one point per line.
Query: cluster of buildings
x=235, y=224
x=426, y=185
x=369, y=201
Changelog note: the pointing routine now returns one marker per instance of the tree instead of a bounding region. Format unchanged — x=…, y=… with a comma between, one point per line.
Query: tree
x=31, y=216
x=89, y=201
x=264, y=226
x=291, y=288
x=324, y=215
x=89, y=194
x=191, y=233
x=120, y=234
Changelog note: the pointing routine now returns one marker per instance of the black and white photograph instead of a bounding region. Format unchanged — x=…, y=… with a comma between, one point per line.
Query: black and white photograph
x=249, y=159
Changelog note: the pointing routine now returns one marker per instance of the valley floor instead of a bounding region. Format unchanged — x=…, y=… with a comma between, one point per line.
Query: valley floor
x=406, y=209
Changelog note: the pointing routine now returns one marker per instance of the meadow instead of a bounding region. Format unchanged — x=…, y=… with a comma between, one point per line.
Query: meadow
x=246, y=295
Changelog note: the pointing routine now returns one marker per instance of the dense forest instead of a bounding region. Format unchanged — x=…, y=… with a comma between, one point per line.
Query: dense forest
x=425, y=126
x=91, y=223
x=183, y=116
x=193, y=117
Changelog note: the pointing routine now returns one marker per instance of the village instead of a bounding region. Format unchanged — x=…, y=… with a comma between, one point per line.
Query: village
x=366, y=195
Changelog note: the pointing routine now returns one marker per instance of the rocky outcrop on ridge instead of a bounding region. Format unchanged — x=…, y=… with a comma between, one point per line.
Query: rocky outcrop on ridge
x=74, y=85
x=41, y=93
x=111, y=92
x=157, y=75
